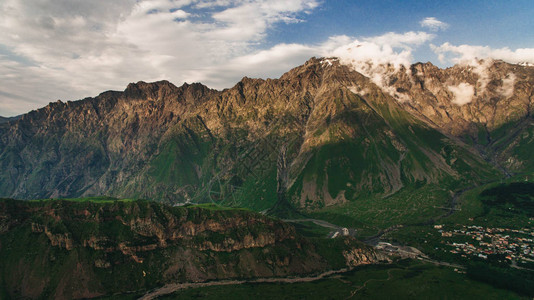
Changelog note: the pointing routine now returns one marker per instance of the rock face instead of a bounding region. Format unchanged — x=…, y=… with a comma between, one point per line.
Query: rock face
x=66, y=249
x=357, y=257
x=487, y=104
x=5, y=120
x=344, y=137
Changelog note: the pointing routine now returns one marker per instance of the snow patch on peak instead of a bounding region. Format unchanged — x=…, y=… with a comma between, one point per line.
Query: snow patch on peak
x=329, y=61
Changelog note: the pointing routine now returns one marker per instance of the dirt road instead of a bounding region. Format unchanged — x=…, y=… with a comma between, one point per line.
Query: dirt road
x=171, y=288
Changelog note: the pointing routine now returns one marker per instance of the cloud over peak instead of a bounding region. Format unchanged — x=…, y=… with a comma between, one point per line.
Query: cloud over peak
x=463, y=93
x=375, y=57
x=466, y=53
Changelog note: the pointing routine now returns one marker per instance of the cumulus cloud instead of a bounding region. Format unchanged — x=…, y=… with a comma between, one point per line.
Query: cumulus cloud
x=433, y=24
x=462, y=93
x=106, y=45
x=467, y=53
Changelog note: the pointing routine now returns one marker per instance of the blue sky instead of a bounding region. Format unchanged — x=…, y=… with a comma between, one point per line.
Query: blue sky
x=71, y=49
x=488, y=23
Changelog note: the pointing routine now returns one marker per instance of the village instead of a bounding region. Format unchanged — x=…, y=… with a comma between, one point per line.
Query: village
x=514, y=245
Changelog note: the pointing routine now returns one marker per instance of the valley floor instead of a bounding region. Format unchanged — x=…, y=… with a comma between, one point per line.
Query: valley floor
x=405, y=279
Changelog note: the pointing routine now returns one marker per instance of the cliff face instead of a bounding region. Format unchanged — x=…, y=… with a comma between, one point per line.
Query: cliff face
x=344, y=137
x=66, y=249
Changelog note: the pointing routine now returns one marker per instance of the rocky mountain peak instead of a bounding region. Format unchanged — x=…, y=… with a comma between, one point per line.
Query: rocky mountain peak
x=150, y=91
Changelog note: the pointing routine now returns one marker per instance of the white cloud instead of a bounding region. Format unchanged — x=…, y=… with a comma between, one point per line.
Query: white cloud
x=468, y=53
x=433, y=24
x=390, y=48
x=117, y=42
x=508, y=83
x=405, y=40
x=463, y=93
x=481, y=58
x=377, y=57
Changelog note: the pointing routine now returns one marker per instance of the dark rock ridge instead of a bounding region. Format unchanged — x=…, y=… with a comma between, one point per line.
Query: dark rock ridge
x=7, y=119
x=345, y=137
x=67, y=249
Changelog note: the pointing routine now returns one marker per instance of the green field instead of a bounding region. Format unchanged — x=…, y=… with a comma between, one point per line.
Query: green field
x=508, y=205
x=371, y=214
x=479, y=206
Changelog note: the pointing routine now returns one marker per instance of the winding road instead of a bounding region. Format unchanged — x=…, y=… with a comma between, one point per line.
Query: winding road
x=173, y=287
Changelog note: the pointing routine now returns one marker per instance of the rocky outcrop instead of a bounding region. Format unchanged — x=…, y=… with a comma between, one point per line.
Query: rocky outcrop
x=113, y=247
x=196, y=231
x=5, y=120
x=62, y=240
x=249, y=241
x=358, y=256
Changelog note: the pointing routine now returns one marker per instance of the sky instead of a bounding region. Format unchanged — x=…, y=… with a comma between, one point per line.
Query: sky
x=71, y=49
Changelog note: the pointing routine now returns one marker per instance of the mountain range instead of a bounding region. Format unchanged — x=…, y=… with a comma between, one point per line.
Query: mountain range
x=335, y=150
x=322, y=135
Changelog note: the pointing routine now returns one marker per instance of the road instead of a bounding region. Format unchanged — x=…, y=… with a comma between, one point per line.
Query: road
x=316, y=222
x=335, y=228
x=442, y=263
x=366, y=282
